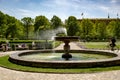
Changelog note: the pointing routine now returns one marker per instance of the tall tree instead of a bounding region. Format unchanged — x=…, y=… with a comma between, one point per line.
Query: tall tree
x=87, y=28
x=117, y=28
x=95, y=30
x=41, y=23
x=15, y=30
x=72, y=26
x=102, y=30
x=55, y=22
x=27, y=22
x=3, y=24
x=13, y=27
x=111, y=29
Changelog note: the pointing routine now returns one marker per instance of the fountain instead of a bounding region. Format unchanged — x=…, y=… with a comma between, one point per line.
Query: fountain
x=45, y=58
x=67, y=40
x=21, y=59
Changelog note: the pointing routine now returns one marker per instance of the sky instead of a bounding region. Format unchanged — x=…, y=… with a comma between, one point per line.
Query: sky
x=61, y=8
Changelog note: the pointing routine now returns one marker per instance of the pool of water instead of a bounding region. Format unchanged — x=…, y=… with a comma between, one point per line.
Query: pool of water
x=57, y=56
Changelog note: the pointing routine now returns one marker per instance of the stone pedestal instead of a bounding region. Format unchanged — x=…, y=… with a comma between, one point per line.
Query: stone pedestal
x=67, y=40
x=66, y=54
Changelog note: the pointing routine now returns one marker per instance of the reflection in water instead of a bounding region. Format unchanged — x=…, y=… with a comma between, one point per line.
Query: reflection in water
x=57, y=56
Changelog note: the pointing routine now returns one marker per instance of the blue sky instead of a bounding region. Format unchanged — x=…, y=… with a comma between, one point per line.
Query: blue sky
x=61, y=8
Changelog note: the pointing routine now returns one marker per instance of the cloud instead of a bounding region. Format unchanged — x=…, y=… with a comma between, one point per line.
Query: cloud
x=25, y=13
x=114, y=1
x=110, y=9
x=104, y=8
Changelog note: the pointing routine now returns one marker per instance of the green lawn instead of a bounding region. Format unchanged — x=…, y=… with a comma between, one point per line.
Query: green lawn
x=97, y=45
x=5, y=63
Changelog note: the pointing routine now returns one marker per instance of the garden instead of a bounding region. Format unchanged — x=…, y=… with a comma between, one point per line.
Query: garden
x=93, y=35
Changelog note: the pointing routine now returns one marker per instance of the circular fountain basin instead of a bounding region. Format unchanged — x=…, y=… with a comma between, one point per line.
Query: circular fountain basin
x=54, y=60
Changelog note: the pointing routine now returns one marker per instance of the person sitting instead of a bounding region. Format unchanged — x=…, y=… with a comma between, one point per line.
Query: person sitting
x=8, y=47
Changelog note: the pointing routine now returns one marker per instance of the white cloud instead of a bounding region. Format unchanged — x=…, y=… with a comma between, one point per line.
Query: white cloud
x=26, y=13
x=104, y=8
x=114, y=1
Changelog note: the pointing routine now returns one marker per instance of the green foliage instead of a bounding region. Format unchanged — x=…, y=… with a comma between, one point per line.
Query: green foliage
x=72, y=26
x=86, y=28
x=55, y=22
x=27, y=22
x=10, y=27
x=117, y=29
x=24, y=41
x=41, y=23
x=111, y=28
x=14, y=30
x=102, y=30
x=3, y=24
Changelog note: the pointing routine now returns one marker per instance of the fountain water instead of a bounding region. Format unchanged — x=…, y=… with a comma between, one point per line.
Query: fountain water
x=49, y=34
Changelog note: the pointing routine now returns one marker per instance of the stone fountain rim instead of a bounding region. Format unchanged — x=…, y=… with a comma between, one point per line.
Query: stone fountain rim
x=65, y=64
x=17, y=56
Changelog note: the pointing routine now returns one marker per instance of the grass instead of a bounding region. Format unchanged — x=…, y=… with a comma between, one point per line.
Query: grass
x=95, y=45
x=56, y=44
x=5, y=63
x=98, y=45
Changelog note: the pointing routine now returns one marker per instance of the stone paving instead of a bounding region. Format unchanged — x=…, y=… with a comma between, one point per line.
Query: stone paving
x=7, y=74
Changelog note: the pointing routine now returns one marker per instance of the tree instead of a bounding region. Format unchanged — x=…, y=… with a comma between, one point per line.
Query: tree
x=27, y=22
x=14, y=30
x=72, y=26
x=95, y=33
x=87, y=28
x=117, y=28
x=10, y=27
x=111, y=29
x=55, y=22
x=41, y=23
x=3, y=24
x=102, y=31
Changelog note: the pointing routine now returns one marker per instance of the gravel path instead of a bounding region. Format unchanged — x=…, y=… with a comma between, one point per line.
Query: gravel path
x=7, y=74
